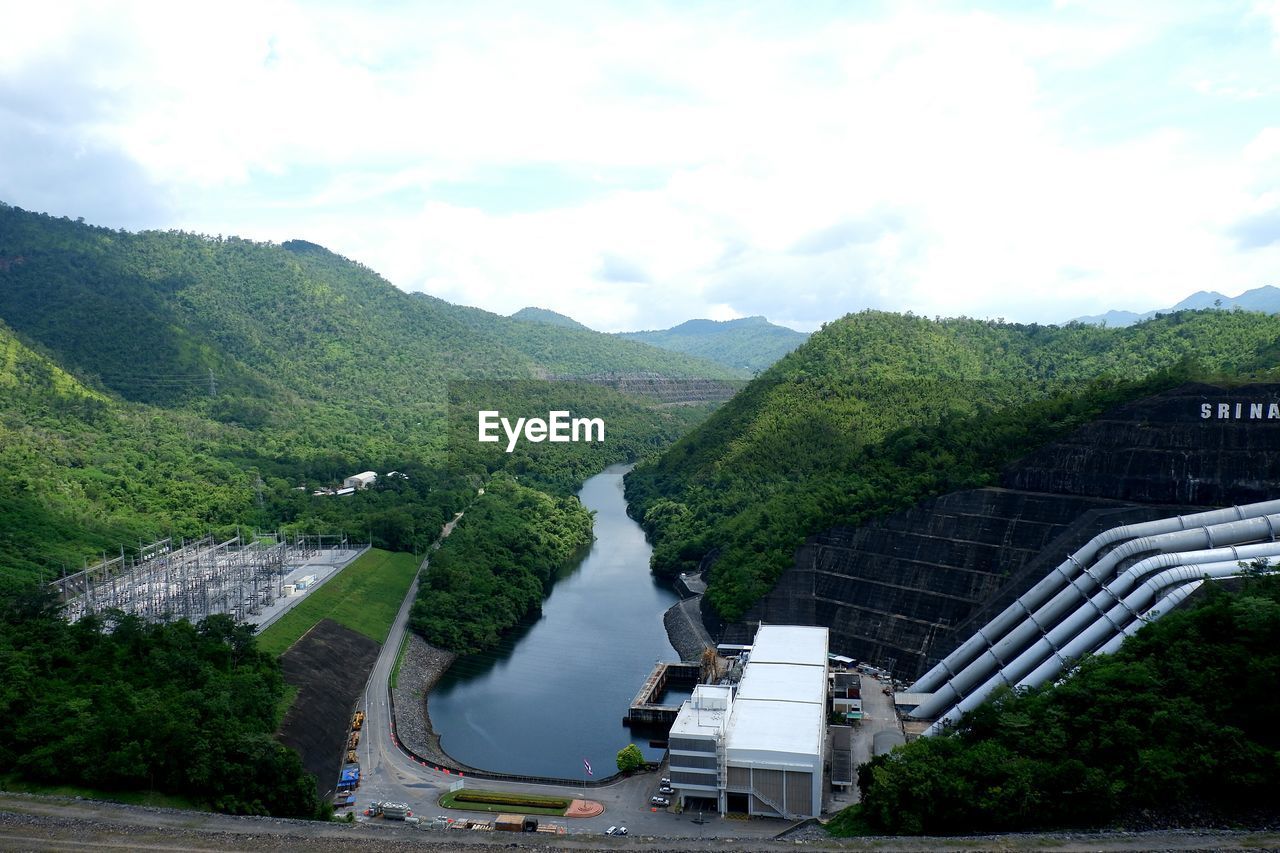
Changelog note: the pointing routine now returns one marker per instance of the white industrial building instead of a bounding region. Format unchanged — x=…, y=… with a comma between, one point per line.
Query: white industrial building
x=363, y=480
x=758, y=748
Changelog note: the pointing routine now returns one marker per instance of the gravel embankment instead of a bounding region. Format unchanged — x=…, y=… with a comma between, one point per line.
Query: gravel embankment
x=421, y=668
x=688, y=635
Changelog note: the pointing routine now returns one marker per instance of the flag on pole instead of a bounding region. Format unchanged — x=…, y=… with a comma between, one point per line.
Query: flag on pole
x=587, y=764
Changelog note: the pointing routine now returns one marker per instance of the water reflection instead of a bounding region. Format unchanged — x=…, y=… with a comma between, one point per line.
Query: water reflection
x=555, y=691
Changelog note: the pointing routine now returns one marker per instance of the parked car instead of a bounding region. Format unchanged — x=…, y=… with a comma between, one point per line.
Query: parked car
x=666, y=789
x=662, y=802
x=613, y=830
x=665, y=780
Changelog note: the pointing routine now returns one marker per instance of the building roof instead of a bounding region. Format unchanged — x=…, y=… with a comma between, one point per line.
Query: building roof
x=712, y=696
x=799, y=644
x=769, y=725
x=848, y=679
x=784, y=682
x=694, y=721
x=911, y=700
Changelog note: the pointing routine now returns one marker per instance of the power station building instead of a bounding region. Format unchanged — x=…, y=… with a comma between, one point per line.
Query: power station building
x=758, y=748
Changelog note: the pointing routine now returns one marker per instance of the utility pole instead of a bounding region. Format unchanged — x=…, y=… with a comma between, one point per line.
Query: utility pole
x=213, y=384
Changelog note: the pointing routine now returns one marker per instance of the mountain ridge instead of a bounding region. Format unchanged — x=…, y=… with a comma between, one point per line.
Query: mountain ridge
x=747, y=343
x=531, y=314
x=1265, y=298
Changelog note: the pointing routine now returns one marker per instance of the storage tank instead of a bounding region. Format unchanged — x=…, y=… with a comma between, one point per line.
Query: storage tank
x=396, y=811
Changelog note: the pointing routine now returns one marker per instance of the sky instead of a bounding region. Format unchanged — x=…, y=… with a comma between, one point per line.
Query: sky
x=637, y=164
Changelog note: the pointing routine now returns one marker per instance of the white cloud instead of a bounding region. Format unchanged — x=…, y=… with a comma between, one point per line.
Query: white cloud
x=979, y=164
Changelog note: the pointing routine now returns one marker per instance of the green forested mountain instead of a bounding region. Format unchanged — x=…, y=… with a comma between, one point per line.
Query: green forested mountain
x=531, y=314
x=82, y=472
x=749, y=343
x=162, y=382
x=878, y=411
x=570, y=349
x=140, y=310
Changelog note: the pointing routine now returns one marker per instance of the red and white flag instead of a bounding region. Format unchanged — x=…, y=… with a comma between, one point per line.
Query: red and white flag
x=587, y=764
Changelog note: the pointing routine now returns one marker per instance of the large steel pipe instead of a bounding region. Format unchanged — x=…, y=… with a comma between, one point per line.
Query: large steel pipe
x=994, y=659
x=1044, y=660
x=995, y=629
x=1134, y=605
x=1161, y=608
x=1113, y=593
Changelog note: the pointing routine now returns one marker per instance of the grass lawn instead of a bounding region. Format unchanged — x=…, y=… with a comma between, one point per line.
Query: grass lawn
x=447, y=801
x=285, y=703
x=364, y=597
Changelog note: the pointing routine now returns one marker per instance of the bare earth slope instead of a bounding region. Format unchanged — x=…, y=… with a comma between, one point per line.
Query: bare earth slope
x=331, y=665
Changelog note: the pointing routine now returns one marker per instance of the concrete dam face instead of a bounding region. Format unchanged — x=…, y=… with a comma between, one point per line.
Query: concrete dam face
x=905, y=590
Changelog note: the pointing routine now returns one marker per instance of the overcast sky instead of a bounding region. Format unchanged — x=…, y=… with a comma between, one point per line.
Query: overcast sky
x=637, y=164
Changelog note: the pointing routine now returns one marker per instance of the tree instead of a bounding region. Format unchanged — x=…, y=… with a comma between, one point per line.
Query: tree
x=630, y=759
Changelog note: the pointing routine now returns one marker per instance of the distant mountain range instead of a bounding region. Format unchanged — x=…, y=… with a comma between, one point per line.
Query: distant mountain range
x=1265, y=299
x=748, y=344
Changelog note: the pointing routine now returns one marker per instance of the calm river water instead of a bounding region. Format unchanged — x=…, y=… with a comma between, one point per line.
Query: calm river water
x=556, y=690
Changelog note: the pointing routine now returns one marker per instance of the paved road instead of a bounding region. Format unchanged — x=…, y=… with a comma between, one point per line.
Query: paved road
x=386, y=772
x=878, y=714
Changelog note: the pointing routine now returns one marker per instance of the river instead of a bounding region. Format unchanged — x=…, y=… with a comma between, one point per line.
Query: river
x=555, y=691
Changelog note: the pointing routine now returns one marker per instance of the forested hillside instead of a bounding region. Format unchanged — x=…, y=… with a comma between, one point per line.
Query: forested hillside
x=566, y=348
x=544, y=315
x=81, y=472
x=167, y=383
x=116, y=704
x=497, y=565
x=878, y=411
x=748, y=344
